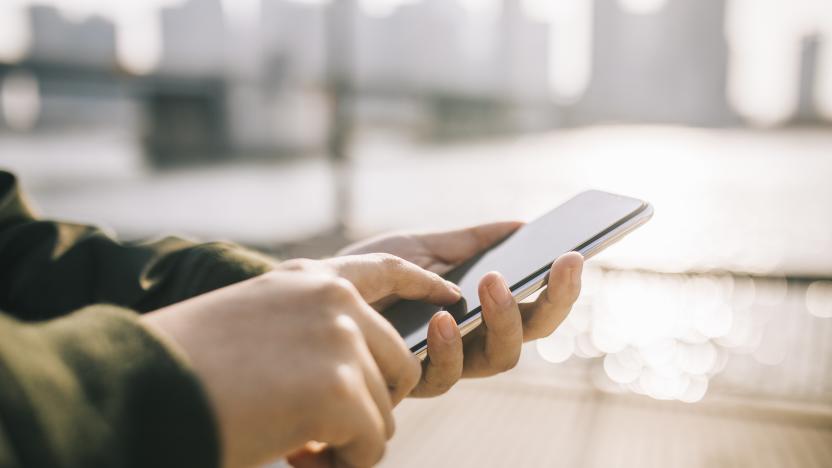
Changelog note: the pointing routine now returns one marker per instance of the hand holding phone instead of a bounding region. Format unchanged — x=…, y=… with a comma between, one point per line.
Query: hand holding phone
x=587, y=223
x=488, y=350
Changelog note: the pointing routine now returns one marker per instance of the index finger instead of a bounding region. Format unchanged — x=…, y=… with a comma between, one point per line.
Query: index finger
x=368, y=435
x=377, y=276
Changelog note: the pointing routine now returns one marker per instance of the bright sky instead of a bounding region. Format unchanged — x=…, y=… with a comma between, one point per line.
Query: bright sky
x=764, y=38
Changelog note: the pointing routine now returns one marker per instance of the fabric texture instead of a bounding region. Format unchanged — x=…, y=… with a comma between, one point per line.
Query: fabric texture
x=82, y=382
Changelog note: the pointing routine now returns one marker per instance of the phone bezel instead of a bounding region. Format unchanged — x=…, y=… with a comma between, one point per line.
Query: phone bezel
x=537, y=280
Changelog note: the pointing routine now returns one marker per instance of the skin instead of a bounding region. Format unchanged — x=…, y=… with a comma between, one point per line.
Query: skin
x=297, y=355
x=349, y=367
x=492, y=348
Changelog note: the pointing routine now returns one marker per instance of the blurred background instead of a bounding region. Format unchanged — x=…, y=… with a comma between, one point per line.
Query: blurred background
x=295, y=127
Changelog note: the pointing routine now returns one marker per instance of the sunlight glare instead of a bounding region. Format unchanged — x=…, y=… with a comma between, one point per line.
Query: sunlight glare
x=20, y=100
x=642, y=7
x=15, y=33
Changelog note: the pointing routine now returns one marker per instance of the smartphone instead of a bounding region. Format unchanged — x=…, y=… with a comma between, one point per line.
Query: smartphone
x=587, y=223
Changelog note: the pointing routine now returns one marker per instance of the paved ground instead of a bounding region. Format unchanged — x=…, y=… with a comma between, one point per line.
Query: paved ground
x=509, y=422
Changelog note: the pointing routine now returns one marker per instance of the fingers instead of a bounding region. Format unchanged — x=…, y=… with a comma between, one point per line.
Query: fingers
x=364, y=423
x=377, y=276
x=545, y=314
x=377, y=388
x=452, y=247
x=362, y=419
x=502, y=330
x=357, y=424
x=398, y=366
x=443, y=367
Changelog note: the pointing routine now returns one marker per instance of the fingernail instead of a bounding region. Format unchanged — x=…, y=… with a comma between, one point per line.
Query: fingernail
x=499, y=292
x=454, y=288
x=446, y=327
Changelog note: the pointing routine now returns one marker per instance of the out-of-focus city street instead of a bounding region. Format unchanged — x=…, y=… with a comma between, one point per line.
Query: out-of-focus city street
x=702, y=339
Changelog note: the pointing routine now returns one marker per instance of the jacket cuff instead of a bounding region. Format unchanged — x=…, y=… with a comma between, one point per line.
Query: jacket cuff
x=142, y=387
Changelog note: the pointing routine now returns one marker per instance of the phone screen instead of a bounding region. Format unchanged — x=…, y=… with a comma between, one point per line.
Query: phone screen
x=521, y=257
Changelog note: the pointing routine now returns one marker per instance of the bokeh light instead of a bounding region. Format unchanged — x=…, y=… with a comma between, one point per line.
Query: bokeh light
x=643, y=7
x=667, y=335
x=819, y=298
x=19, y=100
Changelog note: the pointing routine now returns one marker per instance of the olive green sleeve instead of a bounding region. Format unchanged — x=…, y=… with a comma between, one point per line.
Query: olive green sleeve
x=96, y=389
x=50, y=268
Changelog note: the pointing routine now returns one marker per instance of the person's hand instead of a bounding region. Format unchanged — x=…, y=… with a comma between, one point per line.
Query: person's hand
x=381, y=278
x=494, y=346
x=294, y=356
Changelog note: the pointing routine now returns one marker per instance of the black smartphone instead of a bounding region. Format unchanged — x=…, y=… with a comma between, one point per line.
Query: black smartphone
x=586, y=223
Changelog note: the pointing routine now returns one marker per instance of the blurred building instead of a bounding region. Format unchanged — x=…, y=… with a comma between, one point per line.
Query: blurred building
x=195, y=39
x=669, y=66
x=72, y=64
x=87, y=43
x=259, y=84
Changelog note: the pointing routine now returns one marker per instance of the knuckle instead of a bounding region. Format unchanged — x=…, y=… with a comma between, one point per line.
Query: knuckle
x=297, y=264
x=340, y=384
x=339, y=333
x=389, y=261
x=346, y=330
x=337, y=291
x=438, y=280
x=435, y=283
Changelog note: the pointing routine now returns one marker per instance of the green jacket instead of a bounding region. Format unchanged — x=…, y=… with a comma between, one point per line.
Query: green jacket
x=82, y=384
